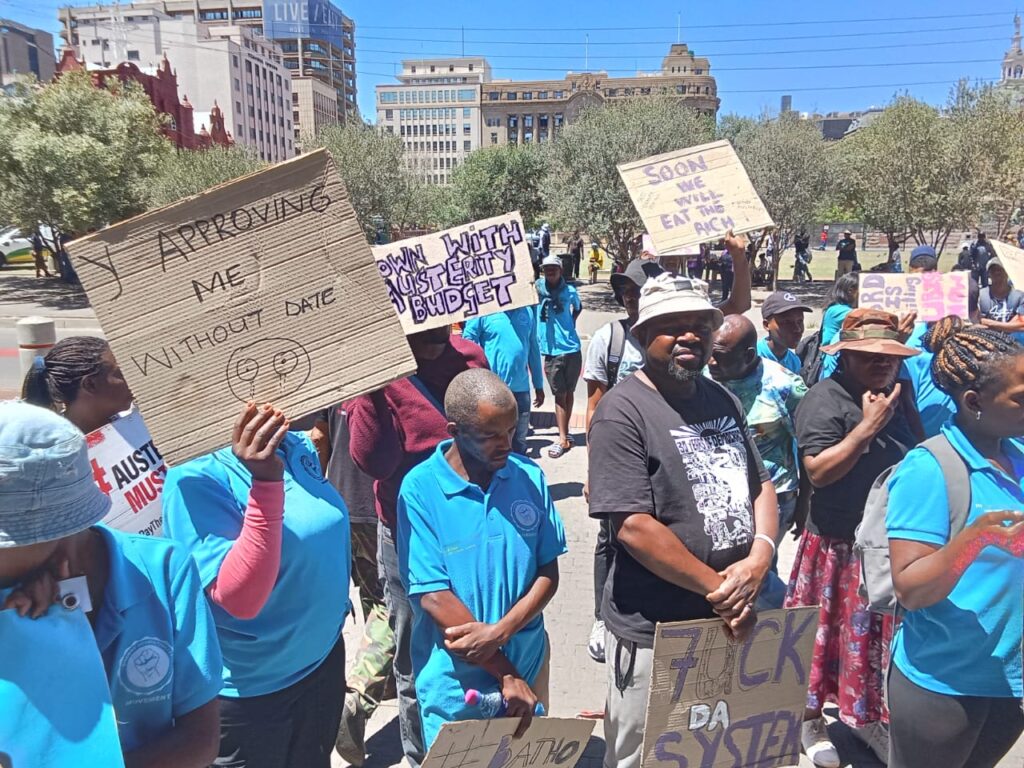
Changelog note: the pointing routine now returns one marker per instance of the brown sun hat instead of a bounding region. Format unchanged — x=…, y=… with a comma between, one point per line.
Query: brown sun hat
x=872, y=331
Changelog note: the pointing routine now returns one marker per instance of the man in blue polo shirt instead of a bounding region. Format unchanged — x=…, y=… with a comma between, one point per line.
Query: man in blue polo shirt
x=478, y=545
x=783, y=316
x=509, y=339
x=560, y=345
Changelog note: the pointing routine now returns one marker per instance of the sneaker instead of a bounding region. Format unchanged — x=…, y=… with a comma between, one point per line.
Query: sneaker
x=817, y=745
x=596, y=645
x=350, y=743
x=876, y=736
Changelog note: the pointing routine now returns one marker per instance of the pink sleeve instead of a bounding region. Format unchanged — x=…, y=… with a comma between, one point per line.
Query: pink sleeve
x=249, y=570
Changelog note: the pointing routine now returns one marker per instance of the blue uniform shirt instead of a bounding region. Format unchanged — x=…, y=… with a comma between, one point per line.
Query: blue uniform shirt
x=204, y=503
x=789, y=361
x=969, y=643
x=509, y=339
x=486, y=548
x=156, y=635
x=934, y=405
x=54, y=701
x=557, y=335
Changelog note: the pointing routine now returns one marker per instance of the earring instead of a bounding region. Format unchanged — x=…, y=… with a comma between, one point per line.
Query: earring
x=977, y=415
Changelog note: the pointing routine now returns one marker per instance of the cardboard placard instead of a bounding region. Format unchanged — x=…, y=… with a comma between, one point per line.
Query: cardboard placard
x=1012, y=259
x=933, y=295
x=694, y=196
x=262, y=289
x=549, y=741
x=715, y=702
x=127, y=466
x=469, y=271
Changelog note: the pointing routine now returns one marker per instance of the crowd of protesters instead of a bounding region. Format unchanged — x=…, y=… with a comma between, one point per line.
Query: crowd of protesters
x=221, y=642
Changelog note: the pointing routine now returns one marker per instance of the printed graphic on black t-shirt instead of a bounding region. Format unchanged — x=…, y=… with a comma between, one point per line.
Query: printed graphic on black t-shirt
x=715, y=458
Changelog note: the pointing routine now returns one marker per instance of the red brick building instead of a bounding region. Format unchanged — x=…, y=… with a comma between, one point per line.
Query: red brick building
x=162, y=90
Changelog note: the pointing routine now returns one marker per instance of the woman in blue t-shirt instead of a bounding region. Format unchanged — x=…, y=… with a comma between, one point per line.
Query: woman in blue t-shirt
x=955, y=680
x=271, y=538
x=841, y=299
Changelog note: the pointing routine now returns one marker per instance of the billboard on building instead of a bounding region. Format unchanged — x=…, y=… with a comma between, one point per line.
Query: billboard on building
x=311, y=19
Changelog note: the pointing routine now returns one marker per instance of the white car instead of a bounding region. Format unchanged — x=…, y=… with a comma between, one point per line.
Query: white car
x=15, y=248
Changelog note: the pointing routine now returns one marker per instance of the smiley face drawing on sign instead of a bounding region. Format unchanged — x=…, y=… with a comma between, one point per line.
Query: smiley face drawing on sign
x=268, y=369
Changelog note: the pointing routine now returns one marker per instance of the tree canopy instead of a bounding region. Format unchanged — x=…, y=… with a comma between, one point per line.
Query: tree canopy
x=496, y=180
x=74, y=157
x=583, y=189
x=185, y=173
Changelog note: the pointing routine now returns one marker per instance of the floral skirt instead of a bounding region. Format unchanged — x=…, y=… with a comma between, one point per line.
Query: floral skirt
x=852, y=646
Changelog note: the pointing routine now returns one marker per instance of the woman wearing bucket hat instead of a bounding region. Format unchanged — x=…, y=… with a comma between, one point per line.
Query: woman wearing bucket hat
x=149, y=620
x=850, y=427
x=271, y=538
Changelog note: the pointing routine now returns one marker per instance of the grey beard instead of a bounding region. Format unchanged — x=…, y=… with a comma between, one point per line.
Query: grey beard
x=681, y=374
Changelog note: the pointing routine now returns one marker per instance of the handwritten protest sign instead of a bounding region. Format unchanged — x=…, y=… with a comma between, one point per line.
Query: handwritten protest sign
x=694, y=195
x=127, y=466
x=549, y=741
x=468, y=271
x=260, y=289
x=1012, y=259
x=933, y=295
x=714, y=702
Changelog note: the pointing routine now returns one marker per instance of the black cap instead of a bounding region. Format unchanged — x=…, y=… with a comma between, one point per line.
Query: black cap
x=782, y=301
x=637, y=273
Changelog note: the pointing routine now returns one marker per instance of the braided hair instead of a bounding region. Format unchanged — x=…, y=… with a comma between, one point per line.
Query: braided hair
x=55, y=380
x=967, y=356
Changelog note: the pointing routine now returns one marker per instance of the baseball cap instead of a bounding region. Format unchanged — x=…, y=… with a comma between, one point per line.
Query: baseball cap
x=638, y=271
x=782, y=301
x=923, y=257
x=552, y=261
x=668, y=294
x=46, y=485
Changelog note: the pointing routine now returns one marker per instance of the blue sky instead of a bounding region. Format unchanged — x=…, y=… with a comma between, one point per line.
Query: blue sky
x=758, y=50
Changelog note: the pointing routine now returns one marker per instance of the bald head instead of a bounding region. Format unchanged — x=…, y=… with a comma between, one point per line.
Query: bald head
x=734, y=353
x=737, y=332
x=471, y=388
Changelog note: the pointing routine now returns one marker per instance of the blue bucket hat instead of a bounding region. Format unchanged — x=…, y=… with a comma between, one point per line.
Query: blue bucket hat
x=46, y=486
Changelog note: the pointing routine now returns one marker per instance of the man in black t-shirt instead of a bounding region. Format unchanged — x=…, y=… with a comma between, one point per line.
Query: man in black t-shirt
x=694, y=515
x=847, y=247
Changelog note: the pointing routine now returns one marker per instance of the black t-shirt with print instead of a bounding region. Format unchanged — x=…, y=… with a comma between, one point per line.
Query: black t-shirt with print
x=827, y=414
x=695, y=470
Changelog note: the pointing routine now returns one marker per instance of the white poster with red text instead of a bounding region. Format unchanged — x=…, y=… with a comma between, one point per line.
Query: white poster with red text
x=128, y=468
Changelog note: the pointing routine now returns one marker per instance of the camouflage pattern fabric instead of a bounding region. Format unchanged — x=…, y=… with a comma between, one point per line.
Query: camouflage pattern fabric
x=371, y=667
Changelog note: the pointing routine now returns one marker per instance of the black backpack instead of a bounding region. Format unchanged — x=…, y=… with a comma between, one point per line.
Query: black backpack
x=811, y=357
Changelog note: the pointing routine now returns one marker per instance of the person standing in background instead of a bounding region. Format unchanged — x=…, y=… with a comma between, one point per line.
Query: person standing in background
x=509, y=339
x=847, y=248
x=823, y=239
x=545, y=239
x=575, y=247
x=37, y=255
x=560, y=345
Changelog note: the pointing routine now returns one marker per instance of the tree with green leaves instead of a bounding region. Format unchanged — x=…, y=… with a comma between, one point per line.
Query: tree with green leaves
x=74, y=157
x=908, y=173
x=583, y=189
x=384, y=191
x=788, y=164
x=186, y=172
x=496, y=180
x=989, y=131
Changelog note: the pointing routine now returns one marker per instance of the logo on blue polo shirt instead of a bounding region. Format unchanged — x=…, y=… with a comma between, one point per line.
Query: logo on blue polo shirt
x=146, y=666
x=525, y=516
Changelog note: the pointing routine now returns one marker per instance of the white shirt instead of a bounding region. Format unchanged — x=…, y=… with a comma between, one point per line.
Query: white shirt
x=596, y=367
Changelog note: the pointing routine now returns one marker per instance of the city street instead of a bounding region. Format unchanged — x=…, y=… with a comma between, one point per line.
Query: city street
x=577, y=682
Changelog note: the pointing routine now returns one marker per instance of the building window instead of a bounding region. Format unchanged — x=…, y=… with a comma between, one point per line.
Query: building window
x=238, y=107
x=542, y=95
x=238, y=84
x=234, y=61
x=467, y=94
x=559, y=94
x=388, y=97
x=698, y=71
x=511, y=96
x=133, y=55
x=527, y=95
x=466, y=130
x=389, y=114
x=467, y=145
x=494, y=96
x=414, y=70
x=466, y=111
x=494, y=138
x=612, y=92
